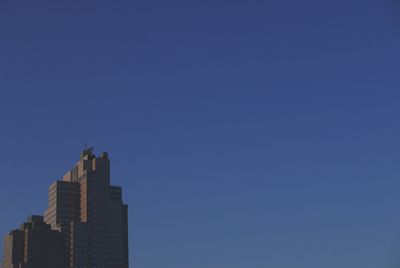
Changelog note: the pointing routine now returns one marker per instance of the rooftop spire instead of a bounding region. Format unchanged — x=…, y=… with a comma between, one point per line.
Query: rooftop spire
x=87, y=151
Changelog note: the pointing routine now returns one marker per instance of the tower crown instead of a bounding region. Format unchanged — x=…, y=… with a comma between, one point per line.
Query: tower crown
x=87, y=153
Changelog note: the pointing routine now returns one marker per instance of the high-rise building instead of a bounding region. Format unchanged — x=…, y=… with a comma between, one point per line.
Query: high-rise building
x=34, y=245
x=89, y=214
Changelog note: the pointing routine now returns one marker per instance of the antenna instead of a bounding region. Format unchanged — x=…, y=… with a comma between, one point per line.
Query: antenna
x=87, y=150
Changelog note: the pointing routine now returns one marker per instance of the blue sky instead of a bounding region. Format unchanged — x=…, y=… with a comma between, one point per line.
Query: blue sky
x=245, y=133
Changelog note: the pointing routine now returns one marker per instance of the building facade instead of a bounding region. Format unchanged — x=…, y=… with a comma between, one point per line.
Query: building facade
x=88, y=212
x=34, y=245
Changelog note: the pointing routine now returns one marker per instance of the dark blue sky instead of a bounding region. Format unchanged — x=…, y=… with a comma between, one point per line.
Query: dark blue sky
x=245, y=133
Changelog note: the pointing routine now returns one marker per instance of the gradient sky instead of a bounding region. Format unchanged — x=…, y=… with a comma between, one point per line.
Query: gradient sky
x=257, y=134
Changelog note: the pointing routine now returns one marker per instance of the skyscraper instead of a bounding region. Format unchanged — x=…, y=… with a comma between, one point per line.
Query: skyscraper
x=89, y=214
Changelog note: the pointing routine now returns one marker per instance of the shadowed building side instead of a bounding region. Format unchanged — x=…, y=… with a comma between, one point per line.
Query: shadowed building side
x=13, y=250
